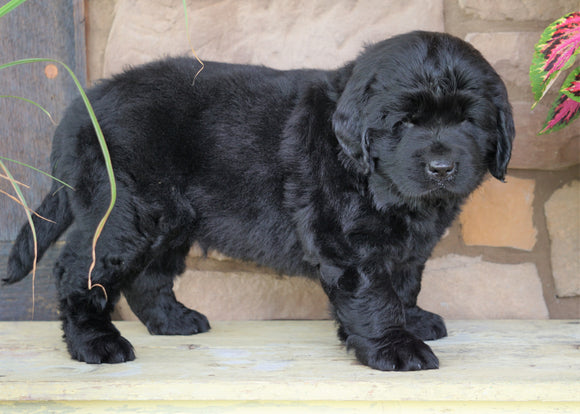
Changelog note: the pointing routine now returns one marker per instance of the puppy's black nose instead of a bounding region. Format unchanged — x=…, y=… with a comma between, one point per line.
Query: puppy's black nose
x=441, y=169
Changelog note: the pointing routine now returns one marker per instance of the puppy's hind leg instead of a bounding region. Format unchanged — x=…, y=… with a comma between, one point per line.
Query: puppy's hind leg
x=85, y=313
x=151, y=297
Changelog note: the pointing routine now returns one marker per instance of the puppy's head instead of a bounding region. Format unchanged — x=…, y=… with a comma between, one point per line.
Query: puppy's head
x=424, y=115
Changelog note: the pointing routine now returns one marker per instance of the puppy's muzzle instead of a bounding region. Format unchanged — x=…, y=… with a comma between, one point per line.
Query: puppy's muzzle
x=441, y=169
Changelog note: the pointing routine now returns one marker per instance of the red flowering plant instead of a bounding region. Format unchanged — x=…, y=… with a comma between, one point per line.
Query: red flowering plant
x=554, y=54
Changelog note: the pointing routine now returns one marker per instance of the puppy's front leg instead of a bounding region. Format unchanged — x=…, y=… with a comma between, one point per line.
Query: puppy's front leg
x=371, y=321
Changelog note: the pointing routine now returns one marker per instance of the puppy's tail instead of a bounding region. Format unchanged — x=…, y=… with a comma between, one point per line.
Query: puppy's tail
x=55, y=207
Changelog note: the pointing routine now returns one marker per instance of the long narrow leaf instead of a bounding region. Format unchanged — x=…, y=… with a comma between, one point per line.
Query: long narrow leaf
x=16, y=200
x=30, y=222
x=37, y=170
x=21, y=184
x=33, y=103
x=104, y=150
x=11, y=5
x=191, y=44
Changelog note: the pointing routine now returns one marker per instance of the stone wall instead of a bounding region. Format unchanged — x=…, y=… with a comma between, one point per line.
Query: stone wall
x=513, y=252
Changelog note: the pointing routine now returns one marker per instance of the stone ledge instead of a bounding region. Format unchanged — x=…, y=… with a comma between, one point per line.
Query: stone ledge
x=471, y=288
x=500, y=215
x=517, y=10
x=563, y=219
x=508, y=52
x=457, y=287
x=234, y=290
x=302, y=33
x=557, y=150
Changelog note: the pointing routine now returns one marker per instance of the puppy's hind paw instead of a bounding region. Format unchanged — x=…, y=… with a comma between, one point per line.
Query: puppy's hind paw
x=181, y=321
x=399, y=350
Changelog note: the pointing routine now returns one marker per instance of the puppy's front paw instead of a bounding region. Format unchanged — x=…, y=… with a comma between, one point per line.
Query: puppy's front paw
x=425, y=325
x=399, y=350
x=108, y=349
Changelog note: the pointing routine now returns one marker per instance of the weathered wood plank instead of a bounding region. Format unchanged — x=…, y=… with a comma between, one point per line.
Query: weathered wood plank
x=507, y=363
x=290, y=407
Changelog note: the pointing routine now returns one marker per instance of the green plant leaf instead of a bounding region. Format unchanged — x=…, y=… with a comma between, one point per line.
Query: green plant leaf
x=563, y=111
x=190, y=44
x=37, y=170
x=571, y=86
x=554, y=52
x=27, y=210
x=33, y=103
x=11, y=5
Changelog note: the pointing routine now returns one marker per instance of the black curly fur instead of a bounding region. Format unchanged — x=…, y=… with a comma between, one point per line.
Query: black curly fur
x=350, y=175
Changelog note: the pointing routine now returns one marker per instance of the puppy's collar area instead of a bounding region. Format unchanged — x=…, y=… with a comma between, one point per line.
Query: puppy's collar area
x=386, y=195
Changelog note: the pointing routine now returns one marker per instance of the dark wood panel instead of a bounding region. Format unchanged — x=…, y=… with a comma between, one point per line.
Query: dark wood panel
x=16, y=300
x=38, y=28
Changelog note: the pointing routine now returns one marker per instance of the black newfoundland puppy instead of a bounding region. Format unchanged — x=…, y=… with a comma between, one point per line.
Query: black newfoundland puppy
x=350, y=176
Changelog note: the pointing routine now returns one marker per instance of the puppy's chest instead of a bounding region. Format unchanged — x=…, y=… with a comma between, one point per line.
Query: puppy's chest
x=402, y=235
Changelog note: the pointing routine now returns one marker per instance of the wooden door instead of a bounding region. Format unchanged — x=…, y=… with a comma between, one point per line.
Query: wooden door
x=47, y=29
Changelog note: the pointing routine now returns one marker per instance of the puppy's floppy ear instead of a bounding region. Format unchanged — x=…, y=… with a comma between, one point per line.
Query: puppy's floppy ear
x=349, y=125
x=505, y=137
